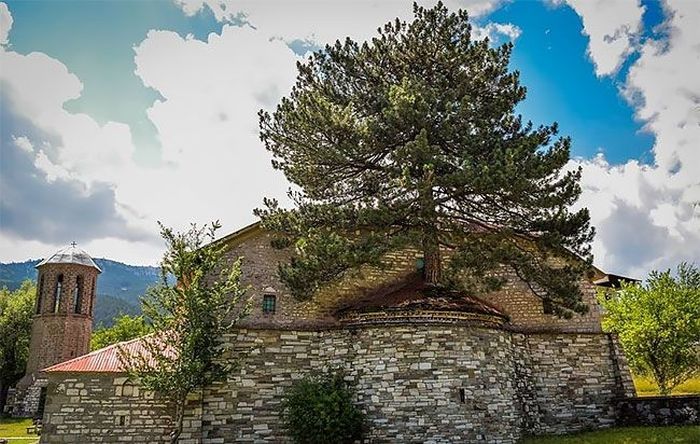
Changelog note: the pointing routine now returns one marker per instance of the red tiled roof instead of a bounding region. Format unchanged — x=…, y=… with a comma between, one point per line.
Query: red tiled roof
x=104, y=360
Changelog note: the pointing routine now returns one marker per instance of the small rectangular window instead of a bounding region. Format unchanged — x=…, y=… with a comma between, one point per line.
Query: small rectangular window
x=269, y=303
x=462, y=396
x=547, y=306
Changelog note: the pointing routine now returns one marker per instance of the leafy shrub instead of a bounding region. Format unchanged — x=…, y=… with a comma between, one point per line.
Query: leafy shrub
x=319, y=409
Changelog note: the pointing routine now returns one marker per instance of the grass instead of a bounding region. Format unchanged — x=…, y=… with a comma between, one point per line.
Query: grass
x=647, y=387
x=626, y=435
x=17, y=428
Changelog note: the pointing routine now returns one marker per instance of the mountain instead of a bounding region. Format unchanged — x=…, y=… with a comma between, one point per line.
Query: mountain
x=118, y=287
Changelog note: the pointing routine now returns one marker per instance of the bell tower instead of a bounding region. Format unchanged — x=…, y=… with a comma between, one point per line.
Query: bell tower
x=63, y=309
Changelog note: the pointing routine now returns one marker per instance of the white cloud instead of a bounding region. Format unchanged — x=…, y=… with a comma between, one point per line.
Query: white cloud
x=23, y=143
x=38, y=86
x=214, y=166
x=207, y=124
x=664, y=86
x=494, y=30
x=612, y=27
x=64, y=190
x=322, y=21
x=657, y=205
x=5, y=23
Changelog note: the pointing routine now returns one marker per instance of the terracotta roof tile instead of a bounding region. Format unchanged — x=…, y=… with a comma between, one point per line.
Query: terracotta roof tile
x=104, y=360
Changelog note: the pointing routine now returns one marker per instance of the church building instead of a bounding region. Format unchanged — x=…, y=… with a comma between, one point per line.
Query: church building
x=427, y=367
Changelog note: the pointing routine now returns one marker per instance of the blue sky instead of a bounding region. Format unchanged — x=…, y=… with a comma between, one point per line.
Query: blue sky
x=561, y=83
x=127, y=104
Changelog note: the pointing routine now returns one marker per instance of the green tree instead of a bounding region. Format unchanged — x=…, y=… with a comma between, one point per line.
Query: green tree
x=188, y=349
x=412, y=140
x=320, y=409
x=658, y=325
x=16, y=312
x=125, y=328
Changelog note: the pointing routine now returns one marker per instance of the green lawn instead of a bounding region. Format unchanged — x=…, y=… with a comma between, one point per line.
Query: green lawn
x=627, y=435
x=646, y=387
x=17, y=428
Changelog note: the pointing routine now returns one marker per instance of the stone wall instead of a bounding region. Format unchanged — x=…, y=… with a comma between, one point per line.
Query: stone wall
x=527, y=312
x=83, y=408
x=259, y=271
x=26, y=401
x=409, y=381
x=660, y=411
x=573, y=382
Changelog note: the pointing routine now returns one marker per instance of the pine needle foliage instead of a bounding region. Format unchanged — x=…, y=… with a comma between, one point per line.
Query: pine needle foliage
x=188, y=349
x=412, y=139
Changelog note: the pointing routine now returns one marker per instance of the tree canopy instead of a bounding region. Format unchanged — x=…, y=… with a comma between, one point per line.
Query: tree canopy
x=188, y=349
x=658, y=324
x=412, y=140
x=320, y=408
x=16, y=313
x=125, y=327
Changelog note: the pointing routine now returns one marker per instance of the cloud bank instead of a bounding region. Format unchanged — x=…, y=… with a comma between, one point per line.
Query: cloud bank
x=67, y=177
x=648, y=216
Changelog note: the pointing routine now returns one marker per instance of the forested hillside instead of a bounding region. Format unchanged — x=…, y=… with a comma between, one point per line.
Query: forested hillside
x=118, y=287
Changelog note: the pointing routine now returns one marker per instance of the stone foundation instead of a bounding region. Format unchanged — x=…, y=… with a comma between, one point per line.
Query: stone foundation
x=660, y=411
x=416, y=383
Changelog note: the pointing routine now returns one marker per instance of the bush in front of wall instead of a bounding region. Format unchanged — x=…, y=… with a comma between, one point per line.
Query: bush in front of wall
x=320, y=409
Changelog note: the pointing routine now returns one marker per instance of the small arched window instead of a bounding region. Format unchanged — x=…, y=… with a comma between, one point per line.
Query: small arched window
x=57, y=293
x=78, y=294
x=40, y=296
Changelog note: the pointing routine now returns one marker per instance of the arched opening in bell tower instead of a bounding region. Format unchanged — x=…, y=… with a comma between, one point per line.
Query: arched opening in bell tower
x=40, y=294
x=57, y=293
x=78, y=295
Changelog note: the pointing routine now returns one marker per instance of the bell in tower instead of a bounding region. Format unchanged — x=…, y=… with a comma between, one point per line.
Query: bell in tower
x=63, y=312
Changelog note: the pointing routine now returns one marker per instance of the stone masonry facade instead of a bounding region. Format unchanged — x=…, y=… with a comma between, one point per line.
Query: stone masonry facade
x=103, y=408
x=437, y=380
x=439, y=383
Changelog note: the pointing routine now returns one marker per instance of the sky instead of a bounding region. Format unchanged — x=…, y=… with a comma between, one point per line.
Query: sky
x=115, y=115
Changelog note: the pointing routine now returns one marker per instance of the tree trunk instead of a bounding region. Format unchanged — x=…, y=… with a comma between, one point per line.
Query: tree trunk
x=431, y=245
x=664, y=389
x=432, y=260
x=179, y=416
x=4, y=388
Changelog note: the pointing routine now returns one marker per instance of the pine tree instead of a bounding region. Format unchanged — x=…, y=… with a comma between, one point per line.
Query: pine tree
x=412, y=140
